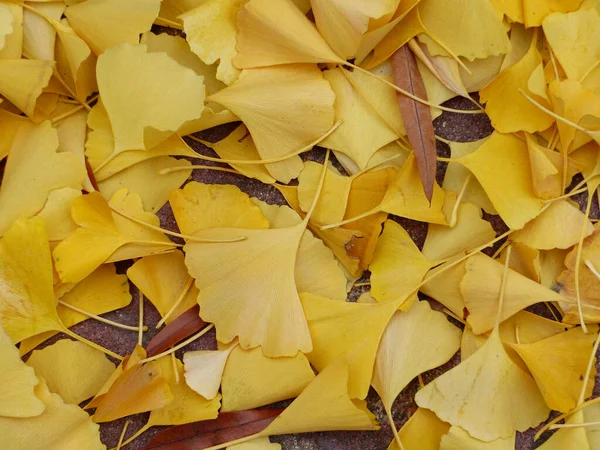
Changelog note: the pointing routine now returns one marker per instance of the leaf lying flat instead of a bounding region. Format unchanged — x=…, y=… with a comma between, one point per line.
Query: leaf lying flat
x=71, y=369
x=227, y=427
x=22, y=81
x=285, y=109
x=66, y=427
x=140, y=115
x=33, y=170
x=17, y=383
x=267, y=312
x=488, y=377
x=416, y=116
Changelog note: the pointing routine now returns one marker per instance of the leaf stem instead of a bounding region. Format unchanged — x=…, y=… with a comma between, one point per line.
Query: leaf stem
x=120, y=443
x=319, y=189
x=409, y=95
x=183, y=344
x=136, y=435
x=578, y=408
x=578, y=262
x=352, y=219
x=196, y=166
x=185, y=290
x=91, y=344
x=503, y=288
x=141, y=319
x=98, y=318
x=172, y=233
x=270, y=160
x=388, y=412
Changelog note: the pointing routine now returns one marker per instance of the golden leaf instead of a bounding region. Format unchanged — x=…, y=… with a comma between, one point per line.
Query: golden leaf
x=22, y=81
x=72, y=369
x=17, y=383
x=33, y=170
x=488, y=377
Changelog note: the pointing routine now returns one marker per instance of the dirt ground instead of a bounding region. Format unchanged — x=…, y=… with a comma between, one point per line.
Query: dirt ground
x=455, y=127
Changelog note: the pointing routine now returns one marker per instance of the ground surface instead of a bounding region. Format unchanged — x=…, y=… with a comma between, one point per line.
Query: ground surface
x=455, y=127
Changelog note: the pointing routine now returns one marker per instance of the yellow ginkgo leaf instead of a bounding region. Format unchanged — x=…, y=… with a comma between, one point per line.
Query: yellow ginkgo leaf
x=266, y=312
x=142, y=179
x=271, y=34
x=140, y=115
x=470, y=231
x=100, y=145
x=211, y=30
x=102, y=232
x=336, y=188
x=546, y=169
x=414, y=341
x=462, y=395
x=350, y=329
x=9, y=126
x=72, y=136
x=6, y=27
x=343, y=23
x=56, y=213
x=106, y=23
x=75, y=62
x=406, y=198
x=501, y=165
x=459, y=439
x=513, y=9
x=313, y=256
x=27, y=305
x=573, y=102
x=71, y=369
x=445, y=287
x=17, y=383
x=482, y=33
x=422, y=431
x=398, y=32
x=582, y=437
x=300, y=110
x=551, y=265
x=558, y=365
x=457, y=176
x=239, y=146
x=524, y=259
x=528, y=328
x=137, y=389
x=324, y=405
x=38, y=34
x=362, y=131
x=102, y=291
x=22, y=81
x=381, y=97
x=163, y=279
x=535, y=12
x=204, y=370
x=367, y=191
x=251, y=379
x=398, y=266
x=199, y=206
x=480, y=288
x=33, y=170
x=13, y=42
x=187, y=406
x=559, y=226
x=508, y=109
x=60, y=426
x=170, y=10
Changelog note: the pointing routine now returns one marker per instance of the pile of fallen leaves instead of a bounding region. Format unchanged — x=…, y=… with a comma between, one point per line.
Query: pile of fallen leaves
x=97, y=122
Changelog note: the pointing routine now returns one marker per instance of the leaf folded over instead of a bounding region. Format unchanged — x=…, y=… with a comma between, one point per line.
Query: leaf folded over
x=416, y=116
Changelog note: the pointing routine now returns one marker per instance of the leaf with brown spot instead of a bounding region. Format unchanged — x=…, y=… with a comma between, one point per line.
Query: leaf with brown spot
x=184, y=326
x=225, y=428
x=416, y=116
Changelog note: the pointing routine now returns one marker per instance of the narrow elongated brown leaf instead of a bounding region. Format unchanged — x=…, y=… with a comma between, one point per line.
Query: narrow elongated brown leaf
x=225, y=428
x=184, y=326
x=416, y=116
